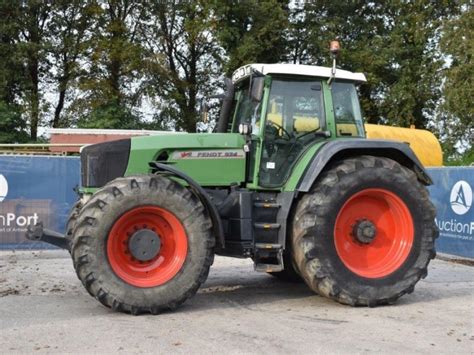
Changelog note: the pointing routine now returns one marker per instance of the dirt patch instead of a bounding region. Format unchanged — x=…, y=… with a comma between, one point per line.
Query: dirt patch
x=466, y=262
x=9, y=292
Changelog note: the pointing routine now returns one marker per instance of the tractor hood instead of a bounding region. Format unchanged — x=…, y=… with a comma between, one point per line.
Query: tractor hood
x=211, y=159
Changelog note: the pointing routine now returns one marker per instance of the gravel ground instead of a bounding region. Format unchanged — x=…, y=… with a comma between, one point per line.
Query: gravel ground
x=44, y=308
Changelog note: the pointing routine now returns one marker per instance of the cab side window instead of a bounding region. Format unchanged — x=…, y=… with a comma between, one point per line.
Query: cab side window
x=346, y=110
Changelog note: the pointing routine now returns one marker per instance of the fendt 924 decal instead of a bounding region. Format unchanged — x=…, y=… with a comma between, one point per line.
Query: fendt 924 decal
x=208, y=154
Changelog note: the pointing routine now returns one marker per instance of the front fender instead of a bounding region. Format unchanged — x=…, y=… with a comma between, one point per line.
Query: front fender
x=217, y=227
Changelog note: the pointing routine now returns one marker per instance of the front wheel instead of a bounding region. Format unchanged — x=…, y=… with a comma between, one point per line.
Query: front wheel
x=142, y=244
x=365, y=233
x=72, y=218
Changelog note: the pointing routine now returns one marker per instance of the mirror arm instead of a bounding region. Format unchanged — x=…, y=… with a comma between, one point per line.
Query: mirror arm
x=226, y=107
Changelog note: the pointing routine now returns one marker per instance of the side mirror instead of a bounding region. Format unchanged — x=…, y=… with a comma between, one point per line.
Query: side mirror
x=256, y=91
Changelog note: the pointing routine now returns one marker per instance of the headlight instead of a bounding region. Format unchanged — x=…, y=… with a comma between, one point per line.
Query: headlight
x=103, y=162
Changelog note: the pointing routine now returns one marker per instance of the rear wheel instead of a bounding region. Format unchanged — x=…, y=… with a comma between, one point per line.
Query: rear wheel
x=142, y=244
x=365, y=233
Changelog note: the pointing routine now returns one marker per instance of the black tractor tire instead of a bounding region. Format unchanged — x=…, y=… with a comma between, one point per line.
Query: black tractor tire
x=72, y=218
x=94, y=232
x=330, y=272
x=289, y=273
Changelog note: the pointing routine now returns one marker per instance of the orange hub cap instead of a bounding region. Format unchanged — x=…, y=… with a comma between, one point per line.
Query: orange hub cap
x=165, y=229
x=374, y=233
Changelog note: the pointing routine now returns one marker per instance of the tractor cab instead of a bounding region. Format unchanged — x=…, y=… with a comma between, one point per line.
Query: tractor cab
x=283, y=109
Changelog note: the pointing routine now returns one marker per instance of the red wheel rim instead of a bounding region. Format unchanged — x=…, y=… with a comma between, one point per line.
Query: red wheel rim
x=170, y=258
x=394, y=238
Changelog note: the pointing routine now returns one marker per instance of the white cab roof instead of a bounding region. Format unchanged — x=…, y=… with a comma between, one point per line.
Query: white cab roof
x=295, y=69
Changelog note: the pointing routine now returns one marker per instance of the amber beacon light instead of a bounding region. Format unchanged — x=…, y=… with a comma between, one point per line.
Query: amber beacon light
x=334, y=47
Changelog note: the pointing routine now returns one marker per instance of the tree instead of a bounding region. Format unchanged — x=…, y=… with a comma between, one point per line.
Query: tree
x=297, y=36
x=360, y=27
x=33, y=17
x=182, y=59
x=101, y=59
x=112, y=81
x=69, y=34
x=413, y=91
x=12, y=124
x=10, y=66
x=252, y=31
x=456, y=119
x=394, y=43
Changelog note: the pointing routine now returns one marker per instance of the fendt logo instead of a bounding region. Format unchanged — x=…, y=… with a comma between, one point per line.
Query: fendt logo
x=461, y=197
x=3, y=187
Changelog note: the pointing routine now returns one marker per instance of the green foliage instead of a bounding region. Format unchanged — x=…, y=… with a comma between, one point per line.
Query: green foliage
x=183, y=61
x=110, y=82
x=252, y=31
x=69, y=43
x=110, y=115
x=361, y=29
x=10, y=75
x=12, y=127
x=10, y=65
x=461, y=159
x=32, y=47
x=394, y=44
x=457, y=110
x=96, y=63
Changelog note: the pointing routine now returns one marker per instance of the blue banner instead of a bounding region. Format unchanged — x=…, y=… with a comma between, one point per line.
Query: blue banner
x=452, y=194
x=32, y=189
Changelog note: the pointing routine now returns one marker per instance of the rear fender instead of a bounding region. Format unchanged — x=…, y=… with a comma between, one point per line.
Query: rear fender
x=340, y=149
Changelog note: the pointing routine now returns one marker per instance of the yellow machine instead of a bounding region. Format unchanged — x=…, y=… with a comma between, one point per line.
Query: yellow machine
x=423, y=142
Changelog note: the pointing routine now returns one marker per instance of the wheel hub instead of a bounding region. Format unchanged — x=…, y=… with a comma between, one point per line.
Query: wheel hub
x=144, y=244
x=374, y=233
x=364, y=231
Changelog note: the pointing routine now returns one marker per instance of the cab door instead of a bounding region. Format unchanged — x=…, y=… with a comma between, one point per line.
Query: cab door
x=294, y=119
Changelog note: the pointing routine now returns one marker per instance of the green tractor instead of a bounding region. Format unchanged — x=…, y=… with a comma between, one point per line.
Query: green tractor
x=287, y=179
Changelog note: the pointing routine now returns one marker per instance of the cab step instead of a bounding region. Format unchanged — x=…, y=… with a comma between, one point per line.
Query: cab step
x=266, y=232
x=268, y=257
x=266, y=204
x=268, y=268
x=267, y=226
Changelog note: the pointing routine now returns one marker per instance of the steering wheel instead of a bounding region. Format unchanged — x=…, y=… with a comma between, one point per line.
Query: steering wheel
x=271, y=123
